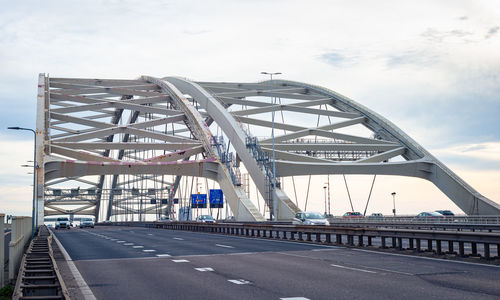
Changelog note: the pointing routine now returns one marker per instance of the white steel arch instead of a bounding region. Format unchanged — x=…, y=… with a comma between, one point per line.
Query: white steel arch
x=107, y=135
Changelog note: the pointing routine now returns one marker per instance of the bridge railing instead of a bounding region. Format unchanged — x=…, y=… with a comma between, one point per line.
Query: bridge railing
x=20, y=236
x=479, y=219
x=2, y=249
x=466, y=242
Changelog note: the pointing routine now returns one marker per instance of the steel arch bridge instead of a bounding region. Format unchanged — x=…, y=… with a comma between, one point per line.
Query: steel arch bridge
x=130, y=140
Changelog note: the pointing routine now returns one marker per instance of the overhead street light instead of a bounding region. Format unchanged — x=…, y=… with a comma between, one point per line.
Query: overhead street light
x=275, y=204
x=394, y=203
x=324, y=188
x=34, y=176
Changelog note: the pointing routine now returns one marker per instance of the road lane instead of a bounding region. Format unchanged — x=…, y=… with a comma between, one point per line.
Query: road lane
x=192, y=265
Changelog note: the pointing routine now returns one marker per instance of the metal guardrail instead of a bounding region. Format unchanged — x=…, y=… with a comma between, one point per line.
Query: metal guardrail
x=20, y=236
x=348, y=235
x=422, y=225
x=485, y=219
x=39, y=277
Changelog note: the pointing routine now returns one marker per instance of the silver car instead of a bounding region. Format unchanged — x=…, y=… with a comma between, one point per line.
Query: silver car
x=310, y=218
x=62, y=222
x=87, y=222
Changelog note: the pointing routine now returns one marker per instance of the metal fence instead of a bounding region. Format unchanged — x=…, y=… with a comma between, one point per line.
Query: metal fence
x=20, y=236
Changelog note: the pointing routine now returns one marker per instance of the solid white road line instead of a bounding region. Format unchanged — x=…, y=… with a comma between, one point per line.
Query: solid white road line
x=429, y=258
x=353, y=269
x=80, y=282
x=295, y=298
x=223, y=246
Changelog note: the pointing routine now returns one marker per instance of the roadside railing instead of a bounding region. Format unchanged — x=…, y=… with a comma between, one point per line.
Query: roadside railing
x=2, y=250
x=484, y=219
x=20, y=236
x=402, y=239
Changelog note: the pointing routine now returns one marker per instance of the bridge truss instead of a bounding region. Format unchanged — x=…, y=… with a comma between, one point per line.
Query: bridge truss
x=127, y=142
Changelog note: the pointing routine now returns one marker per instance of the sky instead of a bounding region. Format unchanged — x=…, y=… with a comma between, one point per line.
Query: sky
x=431, y=67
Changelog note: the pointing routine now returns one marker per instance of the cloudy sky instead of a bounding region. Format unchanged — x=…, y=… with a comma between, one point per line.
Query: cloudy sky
x=431, y=67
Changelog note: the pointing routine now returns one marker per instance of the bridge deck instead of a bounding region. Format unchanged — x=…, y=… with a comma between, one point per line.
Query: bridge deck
x=142, y=263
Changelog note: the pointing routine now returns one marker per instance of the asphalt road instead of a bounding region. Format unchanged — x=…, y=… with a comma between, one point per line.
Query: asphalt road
x=141, y=263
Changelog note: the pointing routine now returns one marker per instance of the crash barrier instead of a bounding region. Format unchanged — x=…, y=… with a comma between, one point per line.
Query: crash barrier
x=456, y=220
x=39, y=277
x=465, y=242
x=20, y=236
x=421, y=225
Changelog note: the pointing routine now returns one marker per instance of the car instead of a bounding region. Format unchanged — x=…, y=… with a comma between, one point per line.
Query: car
x=310, y=218
x=165, y=219
x=447, y=213
x=352, y=215
x=376, y=216
x=429, y=215
x=87, y=222
x=205, y=219
x=50, y=225
x=62, y=222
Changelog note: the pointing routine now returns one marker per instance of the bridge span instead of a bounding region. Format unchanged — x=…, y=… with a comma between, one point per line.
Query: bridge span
x=123, y=149
x=118, y=262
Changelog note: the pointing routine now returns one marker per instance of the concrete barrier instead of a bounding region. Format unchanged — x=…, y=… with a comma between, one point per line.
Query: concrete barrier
x=20, y=236
x=2, y=250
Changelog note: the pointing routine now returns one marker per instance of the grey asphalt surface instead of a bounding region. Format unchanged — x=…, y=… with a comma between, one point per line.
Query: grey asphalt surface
x=132, y=263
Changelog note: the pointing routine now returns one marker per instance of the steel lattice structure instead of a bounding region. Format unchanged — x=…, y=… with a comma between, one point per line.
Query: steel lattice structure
x=109, y=134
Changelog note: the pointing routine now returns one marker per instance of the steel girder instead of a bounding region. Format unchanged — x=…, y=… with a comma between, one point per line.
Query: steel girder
x=331, y=152
x=83, y=137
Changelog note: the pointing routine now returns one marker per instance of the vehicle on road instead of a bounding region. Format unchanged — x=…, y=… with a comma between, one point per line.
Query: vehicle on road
x=446, y=213
x=205, y=219
x=165, y=219
x=429, y=215
x=376, y=216
x=310, y=218
x=62, y=222
x=353, y=215
x=87, y=222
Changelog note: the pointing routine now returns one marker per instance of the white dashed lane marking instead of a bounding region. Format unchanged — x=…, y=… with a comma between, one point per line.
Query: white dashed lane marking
x=239, y=281
x=162, y=255
x=179, y=239
x=204, y=269
x=137, y=247
x=223, y=246
x=120, y=241
x=128, y=244
x=180, y=260
x=149, y=250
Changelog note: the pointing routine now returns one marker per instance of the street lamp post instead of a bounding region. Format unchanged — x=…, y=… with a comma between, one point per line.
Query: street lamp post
x=394, y=203
x=34, y=177
x=324, y=188
x=275, y=204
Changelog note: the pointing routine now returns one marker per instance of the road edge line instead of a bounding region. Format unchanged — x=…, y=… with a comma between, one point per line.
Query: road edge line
x=84, y=288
